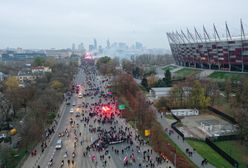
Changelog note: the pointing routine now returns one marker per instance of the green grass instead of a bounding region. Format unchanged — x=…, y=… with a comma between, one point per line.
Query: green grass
x=236, y=150
x=207, y=152
x=225, y=75
x=169, y=67
x=15, y=158
x=185, y=72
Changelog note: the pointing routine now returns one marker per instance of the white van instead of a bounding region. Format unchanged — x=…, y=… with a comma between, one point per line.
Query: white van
x=59, y=144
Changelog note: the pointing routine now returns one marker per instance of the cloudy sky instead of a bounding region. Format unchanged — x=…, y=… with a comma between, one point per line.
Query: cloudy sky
x=59, y=23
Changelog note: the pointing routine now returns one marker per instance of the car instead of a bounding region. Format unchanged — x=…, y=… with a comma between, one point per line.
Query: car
x=71, y=110
x=2, y=136
x=68, y=103
x=59, y=144
x=80, y=95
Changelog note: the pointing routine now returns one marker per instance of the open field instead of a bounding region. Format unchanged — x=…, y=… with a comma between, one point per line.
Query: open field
x=169, y=67
x=186, y=72
x=225, y=75
x=207, y=152
x=235, y=150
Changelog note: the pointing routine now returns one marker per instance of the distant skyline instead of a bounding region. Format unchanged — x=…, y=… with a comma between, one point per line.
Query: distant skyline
x=39, y=24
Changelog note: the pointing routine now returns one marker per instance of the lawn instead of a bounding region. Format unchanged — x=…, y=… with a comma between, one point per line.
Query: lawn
x=15, y=158
x=225, y=75
x=185, y=72
x=236, y=150
x=207, y=152
x=169, y=67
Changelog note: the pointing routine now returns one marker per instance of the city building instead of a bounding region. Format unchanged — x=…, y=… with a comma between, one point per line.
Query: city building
x=81, y=47
x=108, y=44
x=138, y=45
x=210, y=52
x=41, y=69
x=61, y=53
x=185, y=112
x=157, y=92
x=14, y=56
x=91, y=47
x=95, y=44
x=24, y=76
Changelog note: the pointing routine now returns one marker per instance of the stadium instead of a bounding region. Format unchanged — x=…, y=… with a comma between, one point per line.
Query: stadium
x=207, y=51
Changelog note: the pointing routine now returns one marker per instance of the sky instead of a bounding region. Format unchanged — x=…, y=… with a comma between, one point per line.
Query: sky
x=43, y=24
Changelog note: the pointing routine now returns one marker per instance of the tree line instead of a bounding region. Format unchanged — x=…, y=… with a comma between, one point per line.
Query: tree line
x=37, y=104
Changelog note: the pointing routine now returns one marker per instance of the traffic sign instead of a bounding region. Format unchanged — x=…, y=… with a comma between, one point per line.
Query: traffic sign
x=121, y=106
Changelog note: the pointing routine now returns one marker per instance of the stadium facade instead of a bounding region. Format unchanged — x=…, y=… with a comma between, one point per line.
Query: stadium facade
x=210, y=52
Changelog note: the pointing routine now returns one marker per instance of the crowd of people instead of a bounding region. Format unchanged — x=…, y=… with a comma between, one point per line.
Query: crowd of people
x=99, y=119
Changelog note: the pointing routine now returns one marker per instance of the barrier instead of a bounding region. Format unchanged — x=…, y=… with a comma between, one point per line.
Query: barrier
x=173, y=125
x=232, y=161
x=222, y=114
x=224, y=138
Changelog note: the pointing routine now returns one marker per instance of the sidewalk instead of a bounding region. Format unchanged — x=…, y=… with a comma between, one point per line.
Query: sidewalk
x=183, y=145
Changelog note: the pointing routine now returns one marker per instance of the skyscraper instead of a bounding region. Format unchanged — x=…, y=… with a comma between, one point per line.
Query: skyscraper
x=108, y=44
x=91, y=47
x=73, y=47
x=95, y=44
x=138, y=45
x=81, y=47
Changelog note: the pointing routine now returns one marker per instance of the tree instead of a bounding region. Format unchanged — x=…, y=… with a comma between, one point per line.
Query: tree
x=241, y=94
x=243, y=125
x=212, y=90
x=152, y=80
x=198, y=98
x=11, y=83
x=162, y=104
x=228, y=88
x=127, y=66
x=12, y=92
x=167, y=78
x=39, y=61
x=56, y=84
x=144, y=83
x=103, y=60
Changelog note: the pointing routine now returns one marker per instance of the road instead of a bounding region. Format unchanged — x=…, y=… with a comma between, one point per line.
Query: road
x=80, y=134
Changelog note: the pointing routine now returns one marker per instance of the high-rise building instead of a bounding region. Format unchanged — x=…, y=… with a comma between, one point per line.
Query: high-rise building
x=81, y=47
x=91, y=47
x=138, y=45
x=100, y=50
x=122, y=46
x=108, y=44
x=73, y=47
x=95, y=44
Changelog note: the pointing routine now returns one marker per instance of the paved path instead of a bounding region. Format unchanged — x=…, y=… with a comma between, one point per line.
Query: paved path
x=183, y=145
